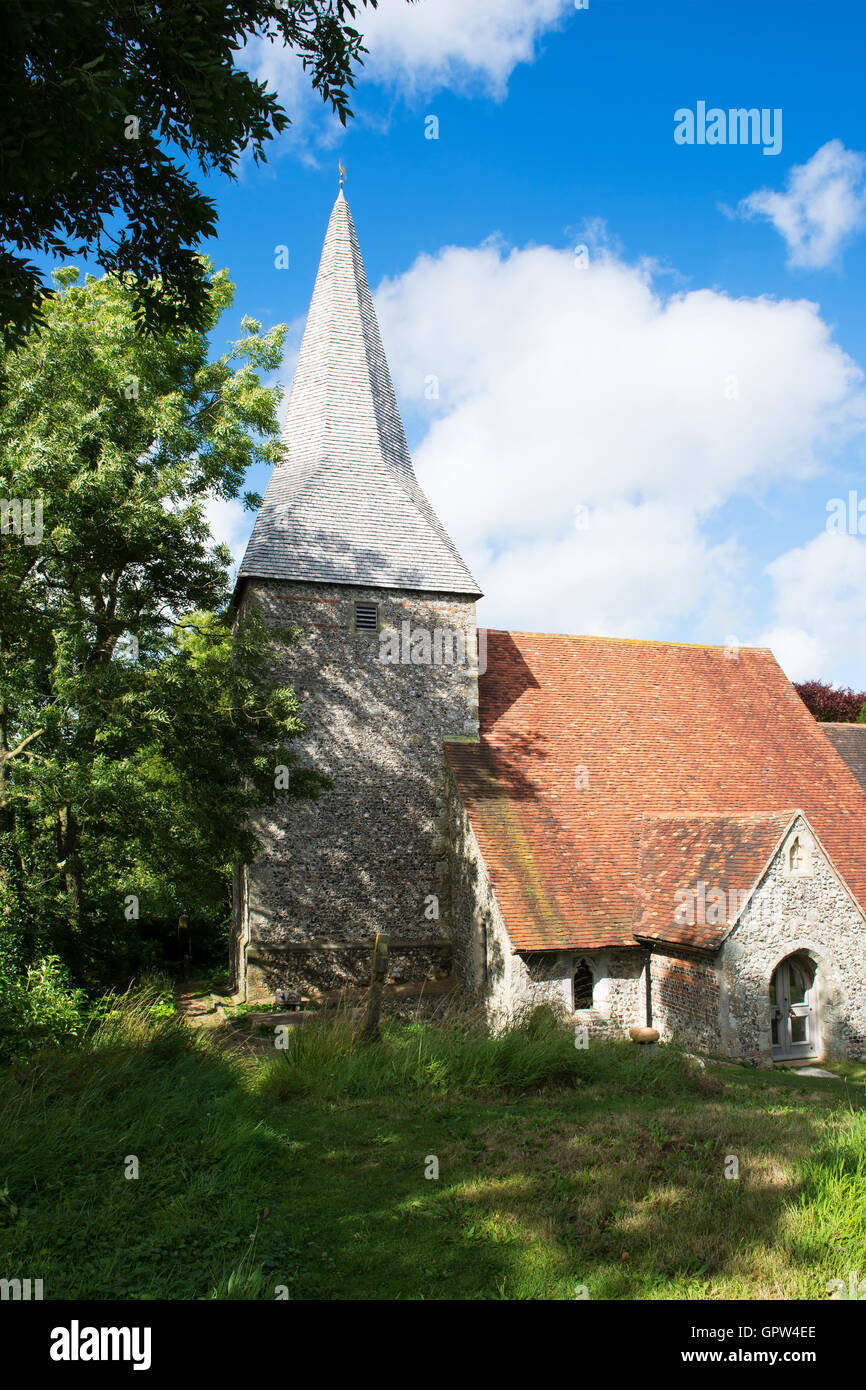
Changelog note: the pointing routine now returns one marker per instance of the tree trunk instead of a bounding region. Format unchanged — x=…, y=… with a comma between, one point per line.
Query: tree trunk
x=6, y=813
x=378, y=971
x=67, y=844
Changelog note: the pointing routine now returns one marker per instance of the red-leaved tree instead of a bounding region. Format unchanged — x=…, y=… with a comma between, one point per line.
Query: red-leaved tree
x=832, y=704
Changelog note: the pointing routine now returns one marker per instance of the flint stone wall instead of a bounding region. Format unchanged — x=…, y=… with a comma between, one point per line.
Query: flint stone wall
x=505, y=984
x=372, y=851
x=811, y=913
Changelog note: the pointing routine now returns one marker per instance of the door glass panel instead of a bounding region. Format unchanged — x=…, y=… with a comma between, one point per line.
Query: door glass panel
x=775, y=1030
x=798, y=1030
x=799, y=984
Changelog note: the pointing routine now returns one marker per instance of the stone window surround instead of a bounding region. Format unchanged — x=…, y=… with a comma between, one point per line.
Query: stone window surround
x=598, y=964
x=798, y=839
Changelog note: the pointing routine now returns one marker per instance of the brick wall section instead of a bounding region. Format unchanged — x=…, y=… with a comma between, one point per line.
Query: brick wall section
x=686, y=1000
x=366, y=855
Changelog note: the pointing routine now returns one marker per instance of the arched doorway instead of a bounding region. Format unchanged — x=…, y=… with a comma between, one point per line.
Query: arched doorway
x=793, y=1014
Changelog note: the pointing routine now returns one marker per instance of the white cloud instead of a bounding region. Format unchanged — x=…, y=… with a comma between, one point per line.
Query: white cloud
x=823, y=206
x=561, y=388
x=455, y=44
x=635, y=570
x=468, y=46
x=820, y=607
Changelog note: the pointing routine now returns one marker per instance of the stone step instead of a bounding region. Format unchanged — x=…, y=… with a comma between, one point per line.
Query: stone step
x=226, y=1000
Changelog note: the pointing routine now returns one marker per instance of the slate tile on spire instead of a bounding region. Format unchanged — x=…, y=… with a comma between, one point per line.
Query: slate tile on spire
x=344, y=506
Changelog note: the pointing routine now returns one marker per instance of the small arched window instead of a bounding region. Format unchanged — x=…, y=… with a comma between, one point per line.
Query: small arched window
x=796, y=858
x=582, y=986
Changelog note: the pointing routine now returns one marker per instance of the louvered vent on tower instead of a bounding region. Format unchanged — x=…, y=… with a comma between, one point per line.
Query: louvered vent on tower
x=366, y=617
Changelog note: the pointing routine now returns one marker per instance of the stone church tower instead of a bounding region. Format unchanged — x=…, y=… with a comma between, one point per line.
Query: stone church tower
x=347, y=548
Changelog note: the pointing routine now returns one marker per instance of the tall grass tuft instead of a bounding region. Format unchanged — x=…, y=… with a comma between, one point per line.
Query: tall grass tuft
x=831, y=1210
x=325, y=1059
x=137, y=1019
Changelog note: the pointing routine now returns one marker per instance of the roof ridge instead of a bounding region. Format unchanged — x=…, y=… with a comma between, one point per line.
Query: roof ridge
x=628, y=641
x=720, y=815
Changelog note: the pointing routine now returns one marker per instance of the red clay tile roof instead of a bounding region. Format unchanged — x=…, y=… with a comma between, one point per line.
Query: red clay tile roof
x=716, y=860
x=849, y=740
x=582, y=737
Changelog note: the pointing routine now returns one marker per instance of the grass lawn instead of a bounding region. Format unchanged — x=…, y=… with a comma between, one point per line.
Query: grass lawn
x=558, y=1168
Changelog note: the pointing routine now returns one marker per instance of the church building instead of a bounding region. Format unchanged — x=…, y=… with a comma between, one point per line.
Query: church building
x=634, y=832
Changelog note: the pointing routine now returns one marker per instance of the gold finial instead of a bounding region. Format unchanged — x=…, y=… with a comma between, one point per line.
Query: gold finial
x=342, y=173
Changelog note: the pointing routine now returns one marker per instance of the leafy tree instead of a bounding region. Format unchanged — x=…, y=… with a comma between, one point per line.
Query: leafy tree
x=833, y=704
x=133, y=742
x=105, y=105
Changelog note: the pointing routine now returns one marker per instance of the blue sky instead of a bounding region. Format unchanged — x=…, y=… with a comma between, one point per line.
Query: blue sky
x=694, y=385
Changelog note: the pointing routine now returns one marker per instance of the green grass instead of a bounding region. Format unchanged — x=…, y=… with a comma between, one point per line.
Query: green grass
x=306, y=1169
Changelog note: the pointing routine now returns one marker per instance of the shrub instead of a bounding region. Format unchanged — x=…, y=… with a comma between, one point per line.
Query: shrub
x=39, y=1007
x=832, y=704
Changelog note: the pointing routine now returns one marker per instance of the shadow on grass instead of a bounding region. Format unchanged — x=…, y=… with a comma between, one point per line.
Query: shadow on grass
x=128, y=1167
x=437, y=1190
x=550, y=1194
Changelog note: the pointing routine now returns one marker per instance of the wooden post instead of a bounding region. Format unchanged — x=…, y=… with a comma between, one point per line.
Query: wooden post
x=378, y=971
x=183, y=938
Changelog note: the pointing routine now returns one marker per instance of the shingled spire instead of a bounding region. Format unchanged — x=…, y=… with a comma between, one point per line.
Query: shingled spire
x=344, y=506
